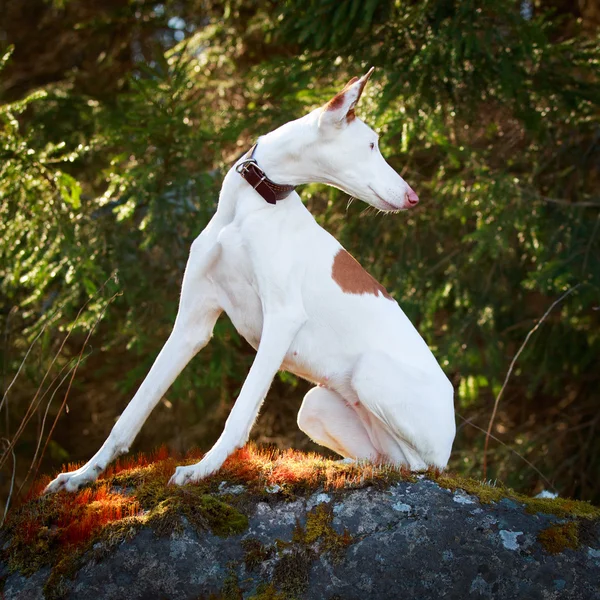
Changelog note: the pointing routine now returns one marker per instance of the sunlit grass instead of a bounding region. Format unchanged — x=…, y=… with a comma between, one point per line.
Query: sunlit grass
x=134, y=491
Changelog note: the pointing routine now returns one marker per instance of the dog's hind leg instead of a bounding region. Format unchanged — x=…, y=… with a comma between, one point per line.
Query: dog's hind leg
x=411, y=408
x=328, y=420
x=198, y=312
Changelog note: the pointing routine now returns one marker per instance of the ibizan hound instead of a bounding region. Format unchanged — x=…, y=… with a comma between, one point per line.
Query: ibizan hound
x=305, y=305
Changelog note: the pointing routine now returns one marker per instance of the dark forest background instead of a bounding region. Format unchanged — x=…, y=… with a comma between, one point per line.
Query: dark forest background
x=118, y=120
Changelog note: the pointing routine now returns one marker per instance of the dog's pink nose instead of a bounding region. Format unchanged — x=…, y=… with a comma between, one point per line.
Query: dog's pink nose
x=412, y=198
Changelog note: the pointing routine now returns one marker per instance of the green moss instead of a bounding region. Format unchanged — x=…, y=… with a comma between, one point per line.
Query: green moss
x=165, y=517
x=31, y=542
x=319, y=528
x=56, y=587
x=204, y=512
x=151, y=492
x=255, y=553
x=561, y=507
x=558, y=538
x=267, y=592
x=319, y=524
x=167, y=504
x=292, y=570
x=113, y=535
x=485, y=493
x=231, y=587
x=295, y=558
x=223, y=519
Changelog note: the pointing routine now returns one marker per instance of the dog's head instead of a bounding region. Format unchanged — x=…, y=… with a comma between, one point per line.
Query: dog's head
x=348, y=153
x=332, y=145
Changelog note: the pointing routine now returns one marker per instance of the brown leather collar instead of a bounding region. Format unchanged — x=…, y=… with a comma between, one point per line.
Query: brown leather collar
x=257, y=178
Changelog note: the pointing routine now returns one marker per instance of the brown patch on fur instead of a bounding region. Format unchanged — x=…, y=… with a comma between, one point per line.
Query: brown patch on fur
x=349, y=84
x=338, y=100
x=352, y=278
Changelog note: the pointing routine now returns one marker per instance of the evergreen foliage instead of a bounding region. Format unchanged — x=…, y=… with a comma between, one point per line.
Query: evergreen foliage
x=113, y=150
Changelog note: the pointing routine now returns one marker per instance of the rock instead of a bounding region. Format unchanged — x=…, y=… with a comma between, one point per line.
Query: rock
x=382, y=535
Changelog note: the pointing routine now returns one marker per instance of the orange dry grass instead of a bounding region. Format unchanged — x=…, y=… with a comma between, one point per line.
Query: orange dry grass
x=70, y=519
x=133, y=491
x=249, y=465
x=292, y=467
x=80, y=515
x=138, y=461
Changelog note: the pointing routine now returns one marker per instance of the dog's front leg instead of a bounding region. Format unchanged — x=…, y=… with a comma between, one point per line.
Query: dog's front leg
x=198, y=312
x=278, y=334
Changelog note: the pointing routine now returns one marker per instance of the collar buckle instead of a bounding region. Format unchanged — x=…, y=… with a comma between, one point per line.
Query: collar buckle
x=257, y=178
x=242, y=168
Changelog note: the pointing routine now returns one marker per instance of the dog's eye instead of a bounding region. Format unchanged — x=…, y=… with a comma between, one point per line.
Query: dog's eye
x=372, y=145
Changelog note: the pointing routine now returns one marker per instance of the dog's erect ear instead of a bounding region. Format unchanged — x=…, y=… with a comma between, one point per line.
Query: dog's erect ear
x=339, y=111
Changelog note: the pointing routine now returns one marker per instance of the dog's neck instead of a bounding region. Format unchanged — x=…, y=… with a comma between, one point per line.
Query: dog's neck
x=238, y=198
x=281, y=154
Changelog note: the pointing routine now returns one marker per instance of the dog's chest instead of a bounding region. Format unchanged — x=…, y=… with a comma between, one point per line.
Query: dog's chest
x=238, y=290
x=237, y=287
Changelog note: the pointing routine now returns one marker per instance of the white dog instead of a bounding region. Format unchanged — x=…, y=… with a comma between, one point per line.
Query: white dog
x=305, y=305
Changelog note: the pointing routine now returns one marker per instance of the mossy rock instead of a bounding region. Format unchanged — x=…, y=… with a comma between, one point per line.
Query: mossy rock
x=288, y=525
x=561, y=507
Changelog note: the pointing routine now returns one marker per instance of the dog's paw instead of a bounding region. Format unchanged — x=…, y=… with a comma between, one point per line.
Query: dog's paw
x=72, y=481
x=192, y=473
x=183, y=475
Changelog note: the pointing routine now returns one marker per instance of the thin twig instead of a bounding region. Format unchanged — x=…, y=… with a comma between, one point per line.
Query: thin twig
x=589, y=245
x=444, y=260
x=49, y=319
x=12, y=481
x=5, y=395
x=74, y=372
x=469, y=422
x=510, y=370
x=7, y=324
x=33, y=405
x=561, y=202
x=43, y=425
